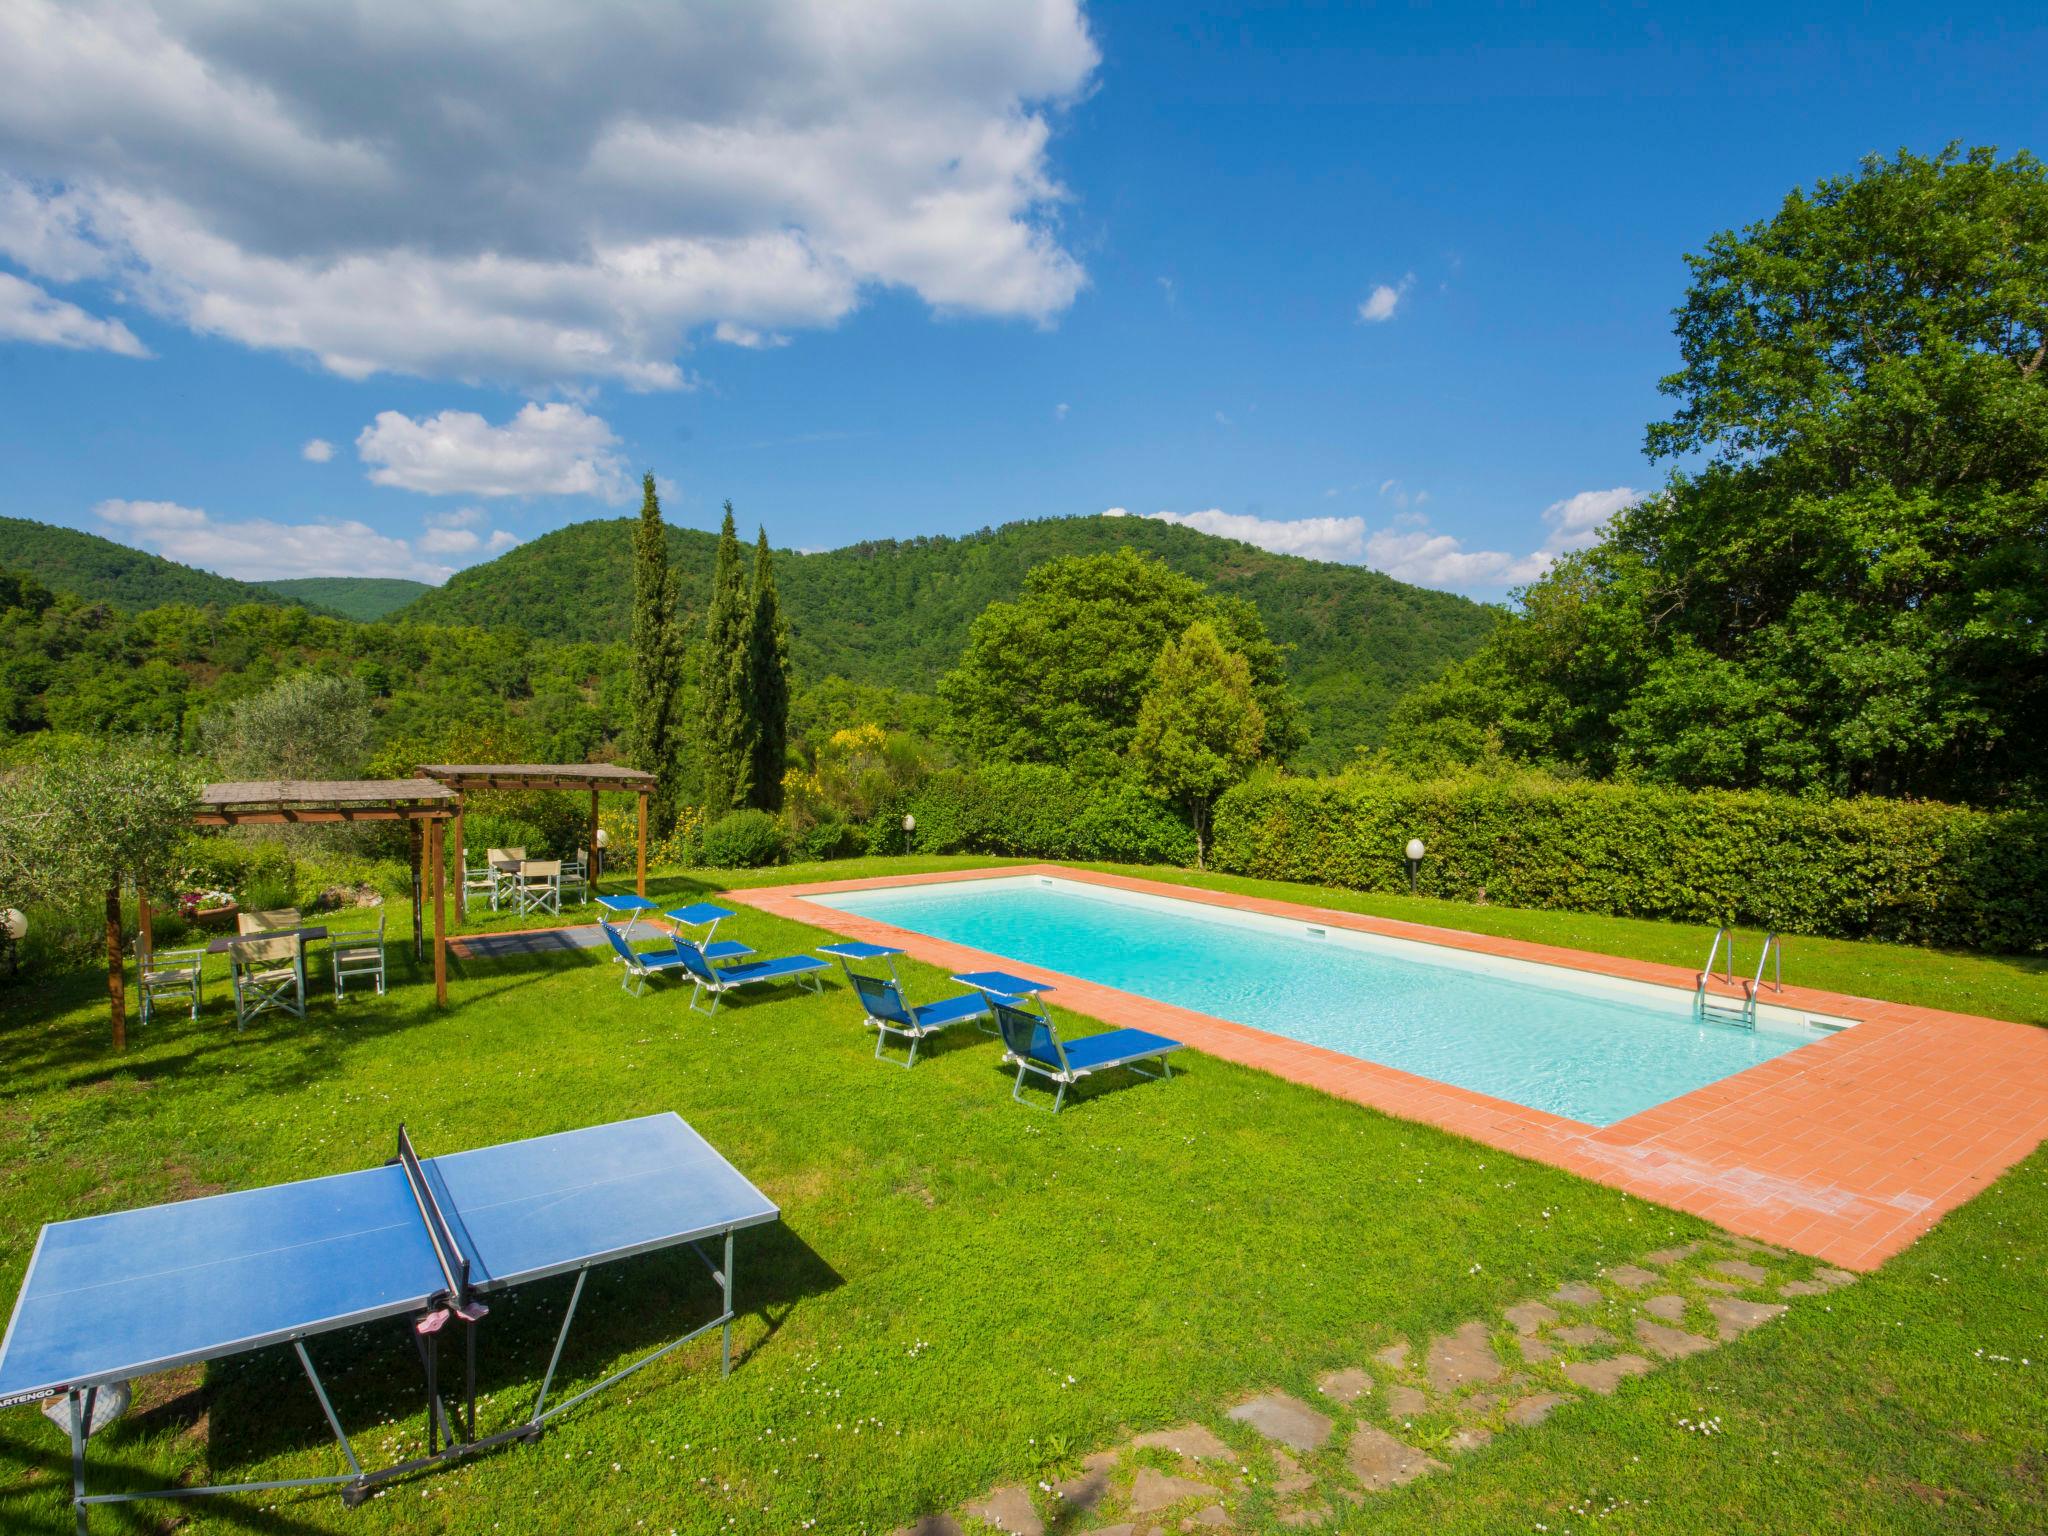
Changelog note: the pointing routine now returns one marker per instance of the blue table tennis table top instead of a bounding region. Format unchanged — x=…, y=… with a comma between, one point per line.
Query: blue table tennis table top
x=114, y=1296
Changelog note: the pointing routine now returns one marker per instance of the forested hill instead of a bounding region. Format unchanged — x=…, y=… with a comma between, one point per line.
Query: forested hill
x=101, y=571
x=896, y=612
x=353, y=597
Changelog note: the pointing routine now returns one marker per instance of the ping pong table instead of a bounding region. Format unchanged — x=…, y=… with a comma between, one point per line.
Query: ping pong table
x=111, y=1297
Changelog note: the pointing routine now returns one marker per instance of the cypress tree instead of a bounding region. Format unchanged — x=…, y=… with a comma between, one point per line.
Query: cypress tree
x=657, y=678
x=726, y=685
x=768, y=672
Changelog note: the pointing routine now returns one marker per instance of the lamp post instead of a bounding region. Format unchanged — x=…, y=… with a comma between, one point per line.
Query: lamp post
x=16, y=925
x=909, y=826
x=597, y=856
x=1415, y=853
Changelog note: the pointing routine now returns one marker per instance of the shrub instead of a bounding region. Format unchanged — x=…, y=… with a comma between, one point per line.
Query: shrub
x=1904, y=871
x=1035, y=810
x=830, y=840
x=743, y=840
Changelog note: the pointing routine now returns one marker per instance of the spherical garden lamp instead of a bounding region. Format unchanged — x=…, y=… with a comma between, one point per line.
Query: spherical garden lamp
x=15, y=924
x=1415, y=853
x=603, y=840
x=909, y=826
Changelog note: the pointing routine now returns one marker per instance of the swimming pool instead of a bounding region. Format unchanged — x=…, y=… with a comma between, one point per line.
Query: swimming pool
x=1591, y=1048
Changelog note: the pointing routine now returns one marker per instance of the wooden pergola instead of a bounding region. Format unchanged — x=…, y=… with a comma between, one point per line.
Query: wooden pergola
x=421, y=803
x=597, y=778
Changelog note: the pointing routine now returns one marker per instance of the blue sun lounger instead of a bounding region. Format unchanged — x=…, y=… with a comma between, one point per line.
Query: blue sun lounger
x=717, y=980
x=1033, y=1042
x=887, y=1012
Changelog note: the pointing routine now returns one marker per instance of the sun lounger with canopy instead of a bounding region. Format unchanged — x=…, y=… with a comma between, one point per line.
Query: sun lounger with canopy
x=717, y=980
x=1033, y=1042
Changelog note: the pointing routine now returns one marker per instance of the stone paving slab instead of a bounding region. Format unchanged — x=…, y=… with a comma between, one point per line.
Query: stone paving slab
x=1461, y=1357
x=1603, y=1376
x=1467, y=1437
x=1395, y=1356
x=1291, y=1478
x=1633, y=1277
x=1535, y=1408
x=1538, y=1350
x=1577, y=1293
x=1669, y=1308
x=1583, y=1336
x=1279, y=1416
x=1664, y=1258
x=1084, y=1492
x=1153, y=1490
x=1405, y=1402
x=1819, y=1283
x=1197, y=1441
x=1345, y=1386
x=1671, y=1343
x=1380, y=1461
x=1734, y=1317
x=1740, y=1269
x=1009, y=1509
x=931, y=1525
x=1527, y=1317
x=1213, y=1518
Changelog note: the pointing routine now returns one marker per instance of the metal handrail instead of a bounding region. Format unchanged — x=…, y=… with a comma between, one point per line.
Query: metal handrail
x=1772, y=950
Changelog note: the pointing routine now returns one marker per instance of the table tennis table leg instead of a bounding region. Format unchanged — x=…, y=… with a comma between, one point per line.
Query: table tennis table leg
x=725, y=1333
x=80, y=1415
x=561, y=1338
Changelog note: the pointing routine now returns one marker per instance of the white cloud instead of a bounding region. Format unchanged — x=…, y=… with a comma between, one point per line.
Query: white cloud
x=1116, y=512
x=555, y=449
x=746, y=336
x=1381, y=303
x=29, y=313
x=317, y=450
x=260, y=549
x=524, y=193
x=1059, y=412
x=462, y=532
x=1313, y=538
x=1577, y=521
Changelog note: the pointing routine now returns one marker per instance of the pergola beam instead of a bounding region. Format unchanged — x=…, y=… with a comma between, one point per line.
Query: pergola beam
x=597, y=778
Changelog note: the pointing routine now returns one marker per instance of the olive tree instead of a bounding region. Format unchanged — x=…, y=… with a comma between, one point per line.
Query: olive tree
x=78, y=824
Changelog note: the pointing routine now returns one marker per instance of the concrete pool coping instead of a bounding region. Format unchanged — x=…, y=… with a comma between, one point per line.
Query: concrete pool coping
x=1847, y=1149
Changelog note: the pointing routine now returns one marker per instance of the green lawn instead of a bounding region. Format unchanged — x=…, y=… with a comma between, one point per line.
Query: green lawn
x=964, y=1292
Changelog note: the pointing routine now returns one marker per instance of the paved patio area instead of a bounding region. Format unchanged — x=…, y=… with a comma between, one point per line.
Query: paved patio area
x=1847, y=1149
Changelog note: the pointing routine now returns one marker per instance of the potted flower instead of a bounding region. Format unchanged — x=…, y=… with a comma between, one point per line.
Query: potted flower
x=208, y=909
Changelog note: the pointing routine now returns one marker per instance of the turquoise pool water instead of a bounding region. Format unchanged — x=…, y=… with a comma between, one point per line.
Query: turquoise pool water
x=1590, y=1048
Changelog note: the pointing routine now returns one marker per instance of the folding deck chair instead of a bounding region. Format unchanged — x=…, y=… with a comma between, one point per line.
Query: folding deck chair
x=887, y=1011
x=717, y=980
x=1033, y=1042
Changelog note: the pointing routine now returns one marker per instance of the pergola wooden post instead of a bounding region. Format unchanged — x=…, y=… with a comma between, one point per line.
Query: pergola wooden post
x=421, y=803
x=597, y=778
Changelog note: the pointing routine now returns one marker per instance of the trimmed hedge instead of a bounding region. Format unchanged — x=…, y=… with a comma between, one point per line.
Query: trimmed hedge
x=1909, y=872
x=1033, y=810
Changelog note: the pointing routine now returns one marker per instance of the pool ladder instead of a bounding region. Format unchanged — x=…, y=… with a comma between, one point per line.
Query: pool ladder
x=1728, y=1010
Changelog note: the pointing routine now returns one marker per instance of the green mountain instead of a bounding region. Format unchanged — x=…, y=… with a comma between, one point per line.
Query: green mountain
x=896, y=612
x=101, y=571
x=353, y=597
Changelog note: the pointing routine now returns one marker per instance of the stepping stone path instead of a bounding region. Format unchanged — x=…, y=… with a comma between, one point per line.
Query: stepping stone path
x=1153, y=1491
x=1460, y=1358
x=1741, y=1269
x=1455, y=1394
x=1603, y=1376
x=1670, y=1343
x=1380, y=1461
x=1193, y=1440
x=1009, y=1509
x=1734, y=1317
x=1345, y=1386
x=1286, y=1419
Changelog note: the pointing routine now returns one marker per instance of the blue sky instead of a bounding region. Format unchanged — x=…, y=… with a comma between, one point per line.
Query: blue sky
x=1389, y=285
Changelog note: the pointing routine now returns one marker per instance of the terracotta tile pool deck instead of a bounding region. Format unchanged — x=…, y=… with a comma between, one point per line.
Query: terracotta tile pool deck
x=1846, y=1149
